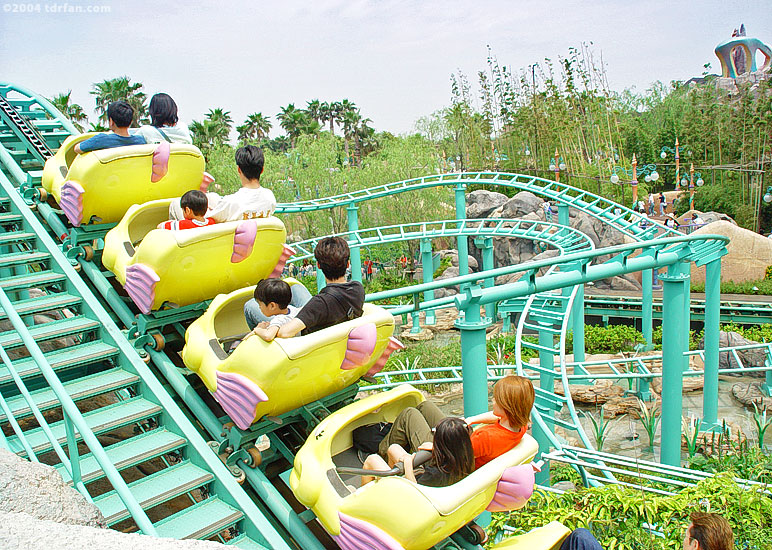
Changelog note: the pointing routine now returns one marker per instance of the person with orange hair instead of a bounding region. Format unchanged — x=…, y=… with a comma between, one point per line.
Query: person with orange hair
x=504, y=427
x=506, y=423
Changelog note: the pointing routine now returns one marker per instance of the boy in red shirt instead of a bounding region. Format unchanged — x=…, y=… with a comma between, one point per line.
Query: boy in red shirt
x=194, y=205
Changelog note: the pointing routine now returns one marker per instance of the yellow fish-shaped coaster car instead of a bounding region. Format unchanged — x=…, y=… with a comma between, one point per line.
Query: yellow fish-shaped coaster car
x=393, y=513
x=547, y=537
x=270, y=378
x=187, y=266
x=101, y=185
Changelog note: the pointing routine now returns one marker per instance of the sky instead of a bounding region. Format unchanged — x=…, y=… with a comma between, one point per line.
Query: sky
x=392, y=58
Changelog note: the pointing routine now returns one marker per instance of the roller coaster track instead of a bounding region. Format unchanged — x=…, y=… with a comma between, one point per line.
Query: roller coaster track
x=98, y=366
x=29, y=258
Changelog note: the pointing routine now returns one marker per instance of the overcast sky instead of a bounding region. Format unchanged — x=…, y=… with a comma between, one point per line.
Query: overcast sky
x=393, y=58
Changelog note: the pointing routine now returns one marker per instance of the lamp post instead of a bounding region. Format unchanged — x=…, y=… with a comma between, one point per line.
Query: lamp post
x=700, y=182
x=649, y=171
x=557, y=165
x=677, y=152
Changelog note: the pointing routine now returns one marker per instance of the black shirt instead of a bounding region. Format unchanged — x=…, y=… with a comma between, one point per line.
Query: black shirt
x=335, y=303
x=433, y=476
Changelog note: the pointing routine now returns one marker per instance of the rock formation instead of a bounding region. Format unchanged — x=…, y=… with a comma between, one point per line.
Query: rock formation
x=748, y=257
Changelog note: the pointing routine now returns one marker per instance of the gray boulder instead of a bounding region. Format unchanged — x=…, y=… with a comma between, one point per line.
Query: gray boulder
x=518, y=206
x=749, y=357
x=39, y=491
x=480, y=203
x=21, y=532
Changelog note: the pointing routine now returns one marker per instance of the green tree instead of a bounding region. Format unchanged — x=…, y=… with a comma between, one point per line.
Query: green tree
x=72, y=111
x=329, y=112
x=116, y=89
x=256, y=126
x=208, y=134
x=222, y=120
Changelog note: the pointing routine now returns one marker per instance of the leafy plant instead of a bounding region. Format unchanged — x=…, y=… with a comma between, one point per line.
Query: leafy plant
x=600, y=427
x=691, y=430
x=650, y=418
x=762, y=423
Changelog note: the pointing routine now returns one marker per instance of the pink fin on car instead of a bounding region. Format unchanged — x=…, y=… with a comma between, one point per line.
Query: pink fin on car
x=206, y=181
x=360, y=346
x=71, y=202
x=140, y=286
x=514, y=489
x=356, y=534
x=239, y=397
x=391, y=347
x=160, y=161
x=243, y=241
x=285, y=254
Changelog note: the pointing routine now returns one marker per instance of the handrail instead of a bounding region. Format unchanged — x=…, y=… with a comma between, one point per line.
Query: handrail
x=595, y=205
x=655, y=253
x=73, y=416
x=562, y=237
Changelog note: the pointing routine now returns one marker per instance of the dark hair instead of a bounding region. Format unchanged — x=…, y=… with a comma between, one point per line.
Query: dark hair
x=331, y=255
x=452, y=450
x=162, y=110
x=196, y=201
x=121, y=113
x=250, y=159
x=711, y=531
x=273, y=290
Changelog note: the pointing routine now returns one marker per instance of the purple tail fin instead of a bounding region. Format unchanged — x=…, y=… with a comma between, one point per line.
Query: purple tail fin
x=285, y=254
x=71, y=201
x=356, y=534
x=160, y=161
x=360, y=346
x=140, y=286
x=239, y=397
x=243, y=241
x=514, y=489
x=391, y=347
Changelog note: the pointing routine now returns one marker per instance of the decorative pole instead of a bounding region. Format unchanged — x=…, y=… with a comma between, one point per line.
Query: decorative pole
x=634, y=183
x=557, y=166
x=691, y=186
x=677, y=165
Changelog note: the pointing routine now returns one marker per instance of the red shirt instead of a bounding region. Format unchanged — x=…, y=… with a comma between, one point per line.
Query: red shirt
x=187, y=224
x=493, y=440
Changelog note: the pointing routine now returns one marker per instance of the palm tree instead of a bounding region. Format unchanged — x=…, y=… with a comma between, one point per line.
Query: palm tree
x=222, y=120
x=363, y=138
x=351, y=119
x=208, y=134
x=314, y=109
x=330, y=112
x=256, y=126
x=116, y=89
x=73, y=111
x=292, y=120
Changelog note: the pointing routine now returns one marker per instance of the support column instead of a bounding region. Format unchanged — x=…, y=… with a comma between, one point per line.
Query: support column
x=486, y=245
x=712, y=328
x=321, y=282
x=647, y=304
x=474, y=359
x=356, y=257
x=547, y=383
x=674, y=324
x=463, y=247
x=427, y=266
x=563, y=217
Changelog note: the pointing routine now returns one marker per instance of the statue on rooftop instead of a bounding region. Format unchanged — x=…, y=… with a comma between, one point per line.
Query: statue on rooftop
x=738, y=54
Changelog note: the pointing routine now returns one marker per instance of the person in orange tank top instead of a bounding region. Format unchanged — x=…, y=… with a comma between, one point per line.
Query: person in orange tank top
x=505, y=425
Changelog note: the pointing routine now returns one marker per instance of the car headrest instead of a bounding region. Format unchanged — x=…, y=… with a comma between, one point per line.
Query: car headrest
x=116, y=153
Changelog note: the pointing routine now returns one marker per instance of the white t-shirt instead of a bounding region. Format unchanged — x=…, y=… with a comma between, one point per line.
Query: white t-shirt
x=244, y=204
x=284, y=318
x=176, y=134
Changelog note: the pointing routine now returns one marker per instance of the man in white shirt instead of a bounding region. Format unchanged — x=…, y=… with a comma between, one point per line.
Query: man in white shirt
x=251, y=201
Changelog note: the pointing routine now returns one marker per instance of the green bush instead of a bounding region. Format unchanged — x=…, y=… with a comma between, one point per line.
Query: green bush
x=616, y=514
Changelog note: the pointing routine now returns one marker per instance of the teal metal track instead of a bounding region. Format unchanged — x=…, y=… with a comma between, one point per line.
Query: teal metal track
x=131, y=421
